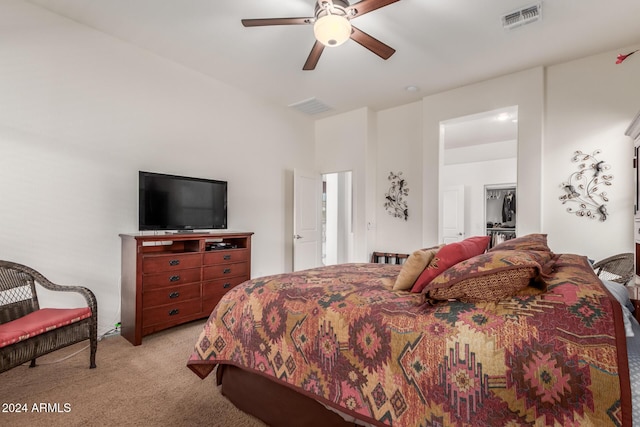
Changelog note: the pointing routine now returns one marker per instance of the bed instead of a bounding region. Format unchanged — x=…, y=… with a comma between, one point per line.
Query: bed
x=337, y=346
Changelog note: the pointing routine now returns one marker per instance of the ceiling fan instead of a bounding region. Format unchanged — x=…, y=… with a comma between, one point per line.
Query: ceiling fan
x=332, y=27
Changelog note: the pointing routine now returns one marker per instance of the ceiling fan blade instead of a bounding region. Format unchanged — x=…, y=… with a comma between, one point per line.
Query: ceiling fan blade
x=276, y=21
x=366, y=6
x=373, y=44
x=314, y=56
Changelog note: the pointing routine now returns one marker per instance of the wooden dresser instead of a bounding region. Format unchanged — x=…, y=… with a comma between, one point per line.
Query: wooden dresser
x=175, y=278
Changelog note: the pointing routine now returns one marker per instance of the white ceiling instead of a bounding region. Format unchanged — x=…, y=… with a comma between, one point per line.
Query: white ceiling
x=486, y=127
x=440, y=44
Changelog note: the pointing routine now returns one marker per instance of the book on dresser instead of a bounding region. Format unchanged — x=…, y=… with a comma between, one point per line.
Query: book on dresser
x=171, y=279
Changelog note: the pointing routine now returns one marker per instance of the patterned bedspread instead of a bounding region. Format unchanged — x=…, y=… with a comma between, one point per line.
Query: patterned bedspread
x=341, y=335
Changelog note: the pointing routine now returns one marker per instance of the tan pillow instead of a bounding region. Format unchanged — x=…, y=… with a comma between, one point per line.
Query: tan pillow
x=412, y=267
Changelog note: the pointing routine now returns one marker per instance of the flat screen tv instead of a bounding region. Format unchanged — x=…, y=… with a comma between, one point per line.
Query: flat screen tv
x=171, y=202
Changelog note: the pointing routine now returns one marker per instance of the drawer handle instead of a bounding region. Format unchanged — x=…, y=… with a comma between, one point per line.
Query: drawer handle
x=174, y=278
x=174, y=295
x=174, y=262
x=226, y=285
x=226, y=271
x=227, y=257
x=174, y=312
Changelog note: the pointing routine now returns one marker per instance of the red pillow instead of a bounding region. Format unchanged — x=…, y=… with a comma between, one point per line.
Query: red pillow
x=450, y=255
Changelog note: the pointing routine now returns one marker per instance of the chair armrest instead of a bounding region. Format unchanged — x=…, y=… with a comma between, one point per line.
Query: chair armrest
x=88, y=295
x=620, y=265
x=85, y=292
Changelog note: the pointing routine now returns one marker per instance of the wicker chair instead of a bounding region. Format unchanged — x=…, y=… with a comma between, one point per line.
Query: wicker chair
x=388, y=258
x=617, y=268
x=34, y=331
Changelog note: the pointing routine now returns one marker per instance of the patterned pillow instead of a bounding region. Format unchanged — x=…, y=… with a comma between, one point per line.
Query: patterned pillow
x=449, y=255
x=493, y=276
x=530, y=242
x=412, y=267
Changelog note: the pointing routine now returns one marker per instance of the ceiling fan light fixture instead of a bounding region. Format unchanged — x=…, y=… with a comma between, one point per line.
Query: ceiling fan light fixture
x=332, y=30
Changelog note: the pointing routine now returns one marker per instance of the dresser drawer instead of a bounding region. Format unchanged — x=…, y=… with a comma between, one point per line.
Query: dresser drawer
x=225, y=270
x=225, y=256
x=170, y=295
x=170, y=262
x=214, y=290
x=170, y=278
x=170, y=312
x=209, y=304
x=217, y=288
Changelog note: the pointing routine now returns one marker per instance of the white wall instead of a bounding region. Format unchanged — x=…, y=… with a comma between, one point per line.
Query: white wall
x=371, y=145
x=81, y=113
x=589, y=105
x=524, y=89
x=399, y=150
x=346, y=142
x=481, y=152
x=578, y=105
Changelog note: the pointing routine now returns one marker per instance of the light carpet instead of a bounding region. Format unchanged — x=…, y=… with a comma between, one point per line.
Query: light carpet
x=146, y=385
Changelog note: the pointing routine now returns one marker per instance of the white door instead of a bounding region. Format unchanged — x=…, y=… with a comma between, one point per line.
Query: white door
x=452, y=214
x=307, y=220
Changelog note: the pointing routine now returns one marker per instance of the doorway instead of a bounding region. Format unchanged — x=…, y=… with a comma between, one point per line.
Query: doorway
x=476, y=151
x=337, y=218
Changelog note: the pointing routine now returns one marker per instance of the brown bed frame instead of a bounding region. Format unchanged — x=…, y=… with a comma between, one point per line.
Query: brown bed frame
x=273, y=403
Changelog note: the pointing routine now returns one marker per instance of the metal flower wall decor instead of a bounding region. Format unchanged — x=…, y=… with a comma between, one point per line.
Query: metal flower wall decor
x=621, y=57
x=585, y=186
x=394, y=203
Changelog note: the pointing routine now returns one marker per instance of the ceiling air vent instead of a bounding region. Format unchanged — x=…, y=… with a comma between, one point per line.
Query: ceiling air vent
x=310, y=106
x=524, y=15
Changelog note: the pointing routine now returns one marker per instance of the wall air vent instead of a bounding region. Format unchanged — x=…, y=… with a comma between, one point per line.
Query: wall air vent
x=310, y=106
x=522, y=16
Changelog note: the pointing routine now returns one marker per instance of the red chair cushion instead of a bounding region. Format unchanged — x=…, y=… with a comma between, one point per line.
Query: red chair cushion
x=40, y=321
